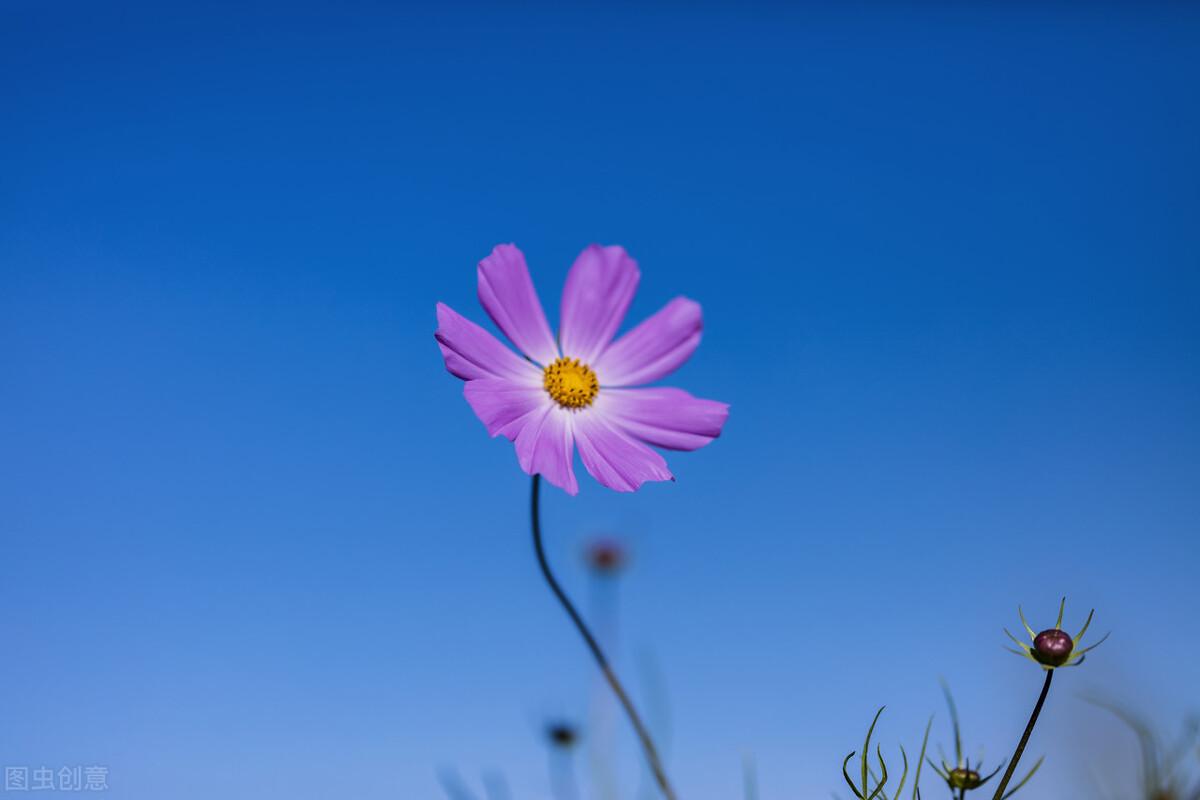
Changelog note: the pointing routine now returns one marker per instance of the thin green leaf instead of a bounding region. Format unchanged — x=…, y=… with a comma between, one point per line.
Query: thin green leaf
x=904, y=774
x=867, y=749
x=1016, y=641
x=846, y=775
x=921, y=759
x=1024, y=780
x=883, y=767
x=1089, y=648
x=958, y=759
x=1025, y=622
x=993, y=773
x=1086, y=623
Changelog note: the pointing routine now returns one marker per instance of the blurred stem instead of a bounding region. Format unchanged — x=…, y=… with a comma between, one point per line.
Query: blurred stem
x=1033, y=718
x=601, y=660
x=749, y=778
x=562, y=774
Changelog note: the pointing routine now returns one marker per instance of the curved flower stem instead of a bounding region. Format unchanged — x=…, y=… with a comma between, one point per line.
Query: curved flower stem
x=1033, y=718
x=601, y=660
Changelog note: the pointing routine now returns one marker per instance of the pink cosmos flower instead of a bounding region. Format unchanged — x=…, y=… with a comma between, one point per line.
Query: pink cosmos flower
x=574, y=391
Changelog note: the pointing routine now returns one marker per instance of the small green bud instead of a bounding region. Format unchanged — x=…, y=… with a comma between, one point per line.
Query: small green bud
x=963, y=778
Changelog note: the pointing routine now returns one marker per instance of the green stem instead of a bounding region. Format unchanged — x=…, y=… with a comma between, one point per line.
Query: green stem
x=1033, y=718
x=643, y=734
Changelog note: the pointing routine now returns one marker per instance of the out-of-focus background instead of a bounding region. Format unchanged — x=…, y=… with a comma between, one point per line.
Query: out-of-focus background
x=256, y=545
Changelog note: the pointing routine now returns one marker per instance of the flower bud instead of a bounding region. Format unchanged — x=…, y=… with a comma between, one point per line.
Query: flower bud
x=562, y=734
x=1053, y=647
x=963, y=778
x=606, y=556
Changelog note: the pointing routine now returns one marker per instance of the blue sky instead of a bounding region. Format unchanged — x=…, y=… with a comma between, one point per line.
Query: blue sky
x=256, y=544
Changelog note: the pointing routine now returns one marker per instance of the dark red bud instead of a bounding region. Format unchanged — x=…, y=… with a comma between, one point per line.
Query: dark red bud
x=1053, y=647
x=607, y=556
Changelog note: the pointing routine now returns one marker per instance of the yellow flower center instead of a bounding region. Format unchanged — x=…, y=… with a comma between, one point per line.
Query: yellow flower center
x=571, y=383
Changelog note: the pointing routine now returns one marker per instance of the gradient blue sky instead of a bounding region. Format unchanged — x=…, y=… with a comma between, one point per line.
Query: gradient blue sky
x=256, y=545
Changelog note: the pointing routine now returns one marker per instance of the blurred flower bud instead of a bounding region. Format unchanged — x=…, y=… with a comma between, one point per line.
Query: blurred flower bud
x=606, y=556
x=562, y=735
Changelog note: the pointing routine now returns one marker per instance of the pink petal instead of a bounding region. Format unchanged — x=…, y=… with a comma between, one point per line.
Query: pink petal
x=545, y=446
x=598, y=291
x=664, y=417
x=471, y=352
x=655, y=348
x=539, y=428
x=612, y=457
x=507, y=294
x=504, y=407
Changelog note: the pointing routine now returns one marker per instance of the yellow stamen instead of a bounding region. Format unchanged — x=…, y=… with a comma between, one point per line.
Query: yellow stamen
x=571, y=383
